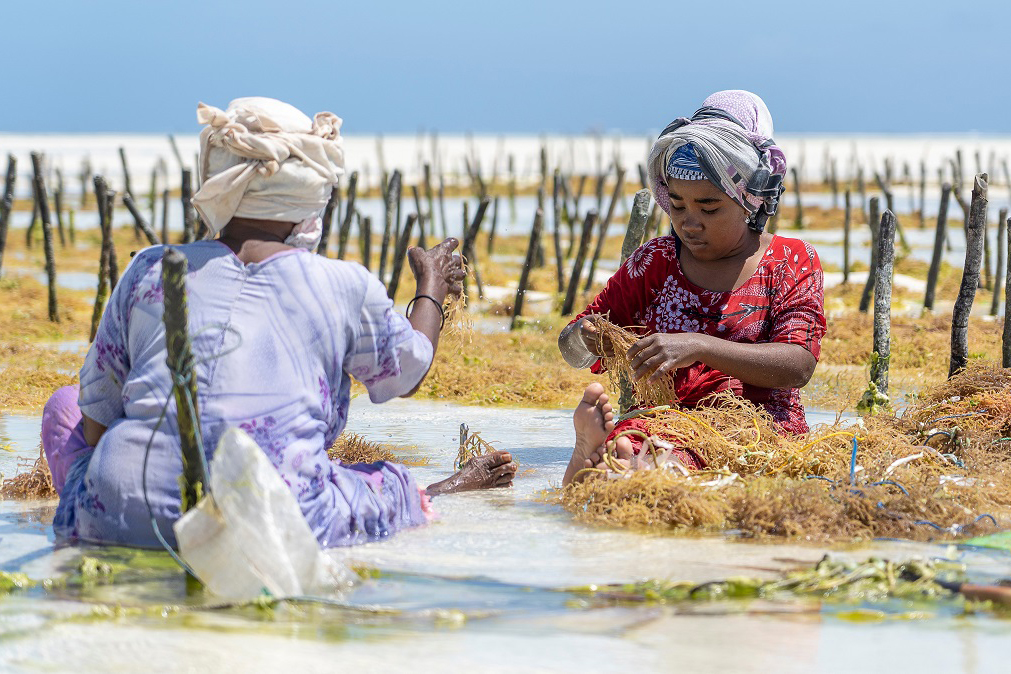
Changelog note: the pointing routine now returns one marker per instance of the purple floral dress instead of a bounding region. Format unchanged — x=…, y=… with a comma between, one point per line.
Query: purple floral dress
x=274, y=344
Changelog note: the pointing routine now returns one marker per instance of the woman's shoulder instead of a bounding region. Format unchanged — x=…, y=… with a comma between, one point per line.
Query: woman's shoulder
x=659, y=249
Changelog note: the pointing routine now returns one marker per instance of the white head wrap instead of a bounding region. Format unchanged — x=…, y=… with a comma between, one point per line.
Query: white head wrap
x=262, y=158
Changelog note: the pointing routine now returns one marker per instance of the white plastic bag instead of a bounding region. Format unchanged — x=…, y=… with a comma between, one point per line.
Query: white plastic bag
x=249, y=534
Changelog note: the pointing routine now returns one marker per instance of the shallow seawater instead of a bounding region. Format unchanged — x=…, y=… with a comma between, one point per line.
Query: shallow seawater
x=482, y=588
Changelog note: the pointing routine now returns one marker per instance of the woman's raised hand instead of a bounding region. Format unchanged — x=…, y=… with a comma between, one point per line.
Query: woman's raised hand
x=439, y=266
x=659, y=353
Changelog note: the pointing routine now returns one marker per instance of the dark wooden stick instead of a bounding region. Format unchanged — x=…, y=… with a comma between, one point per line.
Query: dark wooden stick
x=430, y=200
x=556, y=195
x=494, y=226
x=521, y=288
x=7, y=204
x=349, y=212
x=970, y=277
x=923, y=194
x=41, y=197
x=189, y=230
x=141, y=224
x=327, y=218
x=998, y=275
x=179, y=358
x=577, y=265
x=619, y=185
x=152, y=195
x=987, y=278
x=873, y=222
x=883, y=302
x=165, y=194
x=58, y=207
x=365, y=227
x=422, y=219
x=400, y=254
x=110, y=200
x=102, y=293
x=512, y=188
x=33, y=222
x=468, y=248
x=1006, y=332
x=798, y=218
x=390, y=209
x=846, y=237
x=940, y=236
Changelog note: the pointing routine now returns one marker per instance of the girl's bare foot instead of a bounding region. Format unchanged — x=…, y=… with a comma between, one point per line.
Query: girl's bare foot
x=488, y=471
x=593, y=421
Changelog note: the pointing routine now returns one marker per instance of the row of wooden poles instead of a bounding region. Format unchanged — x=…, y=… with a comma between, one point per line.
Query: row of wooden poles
x=881, y=283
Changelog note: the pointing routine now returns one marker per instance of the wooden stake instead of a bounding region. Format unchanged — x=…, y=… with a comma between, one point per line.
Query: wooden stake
x=366, y=238
x=637, y=221
x=164, y=214
x=619, y=185
x=102, y=293
x=399, y=255
x=846, y=238
x=1006, y=333
x=865, y=297
x=468, y=248
x=327, y=218
x=140, y=223
x=494, y=226
x=42, y=199
x=556, y=203
x=349, y=212
x=883, y=302
x=940, y=236
x=798, y=218
x=390, y=207
x=179, y=358
x=998, y=276
x=189, y=233
x=7, y=205
x=58, y=205
x=577, y=265
x=521, y=288
x=970, y=277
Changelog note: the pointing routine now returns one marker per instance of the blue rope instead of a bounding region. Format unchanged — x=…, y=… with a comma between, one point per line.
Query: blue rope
x=853, y=462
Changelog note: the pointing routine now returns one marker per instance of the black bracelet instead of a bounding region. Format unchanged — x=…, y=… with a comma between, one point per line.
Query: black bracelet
x=407, y=311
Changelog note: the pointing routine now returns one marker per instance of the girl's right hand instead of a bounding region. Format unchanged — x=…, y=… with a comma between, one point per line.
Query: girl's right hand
x=589, y=334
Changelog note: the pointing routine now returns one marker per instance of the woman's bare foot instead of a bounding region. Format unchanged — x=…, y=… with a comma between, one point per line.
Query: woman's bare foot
x=488, y=471
x=593, y=420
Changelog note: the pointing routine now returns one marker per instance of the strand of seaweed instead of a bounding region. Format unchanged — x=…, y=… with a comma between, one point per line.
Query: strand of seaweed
x=35, y=482
x=942, y=469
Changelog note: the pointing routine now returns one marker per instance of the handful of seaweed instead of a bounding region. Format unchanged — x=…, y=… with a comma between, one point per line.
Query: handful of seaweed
x=35, y=483
x=942, y=470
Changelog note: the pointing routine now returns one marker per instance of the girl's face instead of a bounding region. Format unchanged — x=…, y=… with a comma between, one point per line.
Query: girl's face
x=709, y=223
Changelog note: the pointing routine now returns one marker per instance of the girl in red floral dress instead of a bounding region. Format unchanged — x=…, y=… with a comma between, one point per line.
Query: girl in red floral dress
x=722, y=304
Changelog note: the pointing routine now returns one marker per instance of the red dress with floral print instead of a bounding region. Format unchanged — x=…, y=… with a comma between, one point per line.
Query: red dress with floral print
x=783, y=301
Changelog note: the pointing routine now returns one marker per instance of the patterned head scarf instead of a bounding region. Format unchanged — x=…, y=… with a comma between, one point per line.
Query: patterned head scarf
x=729, y=142
x=262, y=158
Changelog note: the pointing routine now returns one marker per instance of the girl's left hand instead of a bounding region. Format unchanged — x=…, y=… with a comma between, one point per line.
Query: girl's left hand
x=660, y=353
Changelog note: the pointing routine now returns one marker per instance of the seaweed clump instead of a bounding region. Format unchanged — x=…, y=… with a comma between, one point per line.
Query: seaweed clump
x=942, y=470
x=35, y=482
x=354, y=448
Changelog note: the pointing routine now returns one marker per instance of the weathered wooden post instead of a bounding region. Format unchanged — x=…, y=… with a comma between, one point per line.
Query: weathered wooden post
x=923, y=194
x=846, y=238
x=139, y=221
x=7, y=204
x=865, y=297
x=876, y=395
x=189, y=230
x=833, y=183
x=577, y=265
x=327, y=223
x=152, y=194
x=970, y=277
x=998, y=276
x=494, y=226
x=512, y=188
x=127, y=190
x=32, y=222
x=165, y=194
x=637, y=221
x=619, y=186
x=102, y=292
x=521, y=287
x=940, y=236
x=365, y=227
x=39, y=184
x=1006, y=333
x=798, y=218
x=556, y=195
x=349, y=212
x=58, y=208
x=862, y=190
x=468, y=248
x=390, y=206
x=399, y=255
x=179, y=358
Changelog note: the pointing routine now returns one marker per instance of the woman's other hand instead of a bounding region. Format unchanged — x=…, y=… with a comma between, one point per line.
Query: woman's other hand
x=659, y=353
x=589, y=334
x=437, y=270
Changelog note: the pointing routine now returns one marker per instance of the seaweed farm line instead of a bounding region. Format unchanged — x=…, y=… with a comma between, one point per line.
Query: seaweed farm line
x=488, y=587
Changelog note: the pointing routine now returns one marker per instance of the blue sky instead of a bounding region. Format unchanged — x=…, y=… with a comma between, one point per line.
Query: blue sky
x=520, y=66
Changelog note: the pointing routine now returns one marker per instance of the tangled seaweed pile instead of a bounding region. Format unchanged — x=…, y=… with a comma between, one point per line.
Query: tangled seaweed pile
x=941, y=470
x=354, y=448
x=36, y=482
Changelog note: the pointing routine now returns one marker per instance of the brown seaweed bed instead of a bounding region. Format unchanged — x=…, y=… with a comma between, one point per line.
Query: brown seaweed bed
x=941, y=470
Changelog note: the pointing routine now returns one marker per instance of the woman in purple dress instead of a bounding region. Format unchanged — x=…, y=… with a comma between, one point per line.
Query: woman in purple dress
x=277, y=333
